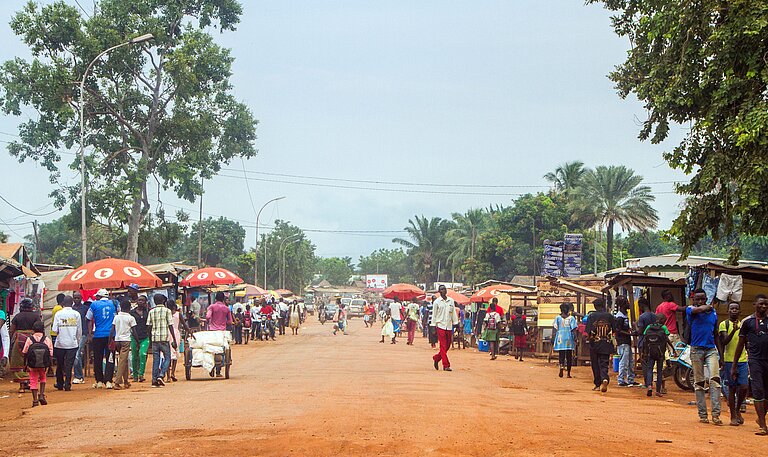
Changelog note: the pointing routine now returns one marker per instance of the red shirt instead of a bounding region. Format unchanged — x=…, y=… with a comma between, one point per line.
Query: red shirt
x=267, y=311
x=669, y=309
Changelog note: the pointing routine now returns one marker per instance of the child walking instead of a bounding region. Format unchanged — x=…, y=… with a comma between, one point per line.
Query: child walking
x=387, y=327
x=655, y=342
x=38, y=353
x=519, y=330
x=565, y=325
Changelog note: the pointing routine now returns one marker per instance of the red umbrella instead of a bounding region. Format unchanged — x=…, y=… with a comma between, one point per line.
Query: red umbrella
x=403, y=292
x=460, y=299
x=211, y=276
x=485, y=294
x=109, y=274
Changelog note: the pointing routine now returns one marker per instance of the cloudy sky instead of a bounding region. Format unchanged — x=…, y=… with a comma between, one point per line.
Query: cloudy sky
x=442, y=95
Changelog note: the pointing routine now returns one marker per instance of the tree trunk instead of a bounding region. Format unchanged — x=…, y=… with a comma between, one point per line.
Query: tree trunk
x=609, y=246
x=134, y=224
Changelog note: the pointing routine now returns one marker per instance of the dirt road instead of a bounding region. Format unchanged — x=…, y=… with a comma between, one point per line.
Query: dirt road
x=317, y=394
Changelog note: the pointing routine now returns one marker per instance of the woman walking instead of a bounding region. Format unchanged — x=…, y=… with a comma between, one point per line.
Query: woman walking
x=491, y=322
x=565, y=326
x=387, y=328
x=294, y=317
x=21, y=328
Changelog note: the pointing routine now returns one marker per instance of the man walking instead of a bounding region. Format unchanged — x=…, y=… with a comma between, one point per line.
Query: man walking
x=102, y=313
x=69, y=329
x=396, y=313
x=160, y=325
x=412, y=320
x=624, y=344
x=82, y=308
x=140, y=339
x=443, y=318
x=729, y=341
x=599, y=328
x=123, y=331
x=754, y=335
x=705, y=352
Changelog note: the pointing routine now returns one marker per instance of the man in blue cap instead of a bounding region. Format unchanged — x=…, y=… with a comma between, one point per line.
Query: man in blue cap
x=133, y=294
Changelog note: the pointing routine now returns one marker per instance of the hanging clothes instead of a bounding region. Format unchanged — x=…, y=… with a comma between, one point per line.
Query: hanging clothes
x=730, y=287
x=710, y=284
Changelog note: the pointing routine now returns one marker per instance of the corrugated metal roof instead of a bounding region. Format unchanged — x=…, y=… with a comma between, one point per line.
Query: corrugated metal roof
x=673, y=261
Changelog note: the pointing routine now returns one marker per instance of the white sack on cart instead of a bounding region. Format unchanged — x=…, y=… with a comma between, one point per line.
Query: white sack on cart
x=200, y=358
x=213, y=338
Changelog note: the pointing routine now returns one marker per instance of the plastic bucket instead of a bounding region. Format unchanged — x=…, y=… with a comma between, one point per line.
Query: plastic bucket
x=482, y=345
x=616, y=359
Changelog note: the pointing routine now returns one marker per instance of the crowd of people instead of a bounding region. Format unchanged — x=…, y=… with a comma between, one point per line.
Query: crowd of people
x=120, y=332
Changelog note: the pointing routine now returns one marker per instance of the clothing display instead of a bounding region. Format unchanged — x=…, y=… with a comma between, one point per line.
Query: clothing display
x=730, y=287
x=710, y=284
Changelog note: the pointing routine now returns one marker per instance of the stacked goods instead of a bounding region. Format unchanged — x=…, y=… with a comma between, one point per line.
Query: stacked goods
x=205, y=346
x=572, y=254
x=553, y=258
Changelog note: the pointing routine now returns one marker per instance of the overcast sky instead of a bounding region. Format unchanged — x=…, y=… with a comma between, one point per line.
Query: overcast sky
x=431, y=92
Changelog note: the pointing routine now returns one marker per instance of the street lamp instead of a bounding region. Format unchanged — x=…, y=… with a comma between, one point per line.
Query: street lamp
x=83, y=235
x=282, y=243
x=256, y=250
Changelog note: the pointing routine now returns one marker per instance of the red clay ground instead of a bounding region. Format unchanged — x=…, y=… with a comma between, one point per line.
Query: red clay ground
x=316, y=394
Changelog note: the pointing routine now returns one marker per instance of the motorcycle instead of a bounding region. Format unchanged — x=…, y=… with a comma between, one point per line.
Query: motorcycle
x=322, y=316
x=681, y=363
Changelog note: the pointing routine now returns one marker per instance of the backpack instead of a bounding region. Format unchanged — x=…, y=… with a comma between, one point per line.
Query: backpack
x=38, y=354
x=655, y=341
x=491, y=322
x=518, y=325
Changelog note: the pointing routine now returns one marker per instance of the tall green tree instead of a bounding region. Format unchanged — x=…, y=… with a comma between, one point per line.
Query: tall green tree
x=611, y=195
x=391, y=262
x=427, y=246
x=567, y=176
x=463, y=236
x=703, y=64
x=162, y=110
x=335, y=270
x=223, y=241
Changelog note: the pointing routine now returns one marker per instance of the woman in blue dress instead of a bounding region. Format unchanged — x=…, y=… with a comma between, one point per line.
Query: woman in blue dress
x=564, y=341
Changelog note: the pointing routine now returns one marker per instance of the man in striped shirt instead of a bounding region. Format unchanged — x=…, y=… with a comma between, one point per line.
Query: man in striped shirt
x=160, y=327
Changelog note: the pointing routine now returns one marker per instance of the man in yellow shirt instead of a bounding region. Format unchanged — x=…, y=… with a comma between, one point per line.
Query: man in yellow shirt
x=737, y=387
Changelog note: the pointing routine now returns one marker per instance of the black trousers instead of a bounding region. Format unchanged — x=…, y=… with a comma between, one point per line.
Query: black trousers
x=65, y=361
x=599, y=364
x=566, y=359
x=100, y=352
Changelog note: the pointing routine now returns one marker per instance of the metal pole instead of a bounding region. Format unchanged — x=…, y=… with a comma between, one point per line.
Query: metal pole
x=200, y=230
x=83, y=233
x=256, y=248
x=280, y=273
x=265, y=265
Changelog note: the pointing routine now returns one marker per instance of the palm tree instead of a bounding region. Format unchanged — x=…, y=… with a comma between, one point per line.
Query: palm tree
x=567, y=176
x=463, y=236
x=610, y=195
x=427, y=245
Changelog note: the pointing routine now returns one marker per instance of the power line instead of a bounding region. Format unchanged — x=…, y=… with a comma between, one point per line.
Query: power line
x=25, y=212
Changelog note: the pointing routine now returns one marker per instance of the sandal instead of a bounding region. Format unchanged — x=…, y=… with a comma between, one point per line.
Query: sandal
x=762, y=432
x=43, y=401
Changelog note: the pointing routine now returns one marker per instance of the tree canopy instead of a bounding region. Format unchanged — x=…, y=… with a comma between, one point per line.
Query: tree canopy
x=161, y=110
x=703, y=64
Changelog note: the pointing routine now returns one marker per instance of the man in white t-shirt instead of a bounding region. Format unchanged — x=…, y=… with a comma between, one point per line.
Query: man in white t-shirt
x=68, y=325
x=443, y=318
x=123, y=327
x=396, y=314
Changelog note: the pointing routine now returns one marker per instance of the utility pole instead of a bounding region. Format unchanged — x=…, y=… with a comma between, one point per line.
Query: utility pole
x=533, y=248
x=37, y=244
x=200, y=229
x=256, y=248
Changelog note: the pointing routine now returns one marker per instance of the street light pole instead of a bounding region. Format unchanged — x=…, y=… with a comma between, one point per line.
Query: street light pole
x=282, y=274
x=83, y=234
x=256, y=249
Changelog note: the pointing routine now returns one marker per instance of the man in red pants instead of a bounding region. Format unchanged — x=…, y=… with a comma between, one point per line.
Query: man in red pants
x=444, y=318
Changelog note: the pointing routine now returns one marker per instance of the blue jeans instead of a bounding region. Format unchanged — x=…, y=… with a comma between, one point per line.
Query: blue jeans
x=701, y=357
x=160, y=367
x=626, y=371
x=79, y=358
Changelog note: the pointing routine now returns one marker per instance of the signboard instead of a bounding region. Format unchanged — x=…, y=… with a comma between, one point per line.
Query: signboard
x=378, y=282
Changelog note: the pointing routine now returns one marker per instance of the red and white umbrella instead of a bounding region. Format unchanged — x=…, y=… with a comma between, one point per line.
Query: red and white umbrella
x=403, y=292
x=211, y=276
x=109, y=274
x=486, y=294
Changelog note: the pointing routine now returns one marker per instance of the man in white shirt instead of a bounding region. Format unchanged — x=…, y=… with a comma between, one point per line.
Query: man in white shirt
x=443, y=318
x=123, y=327
x=396, y=314
x=282, y=309
x=68, y=325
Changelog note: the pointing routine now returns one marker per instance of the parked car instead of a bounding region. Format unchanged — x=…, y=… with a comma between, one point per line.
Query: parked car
x=330, y=310
x=310, y=307
x=357, y=307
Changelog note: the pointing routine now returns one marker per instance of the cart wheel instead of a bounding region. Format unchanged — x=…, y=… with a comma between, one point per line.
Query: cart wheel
x=228, y=363
x=187, y=364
